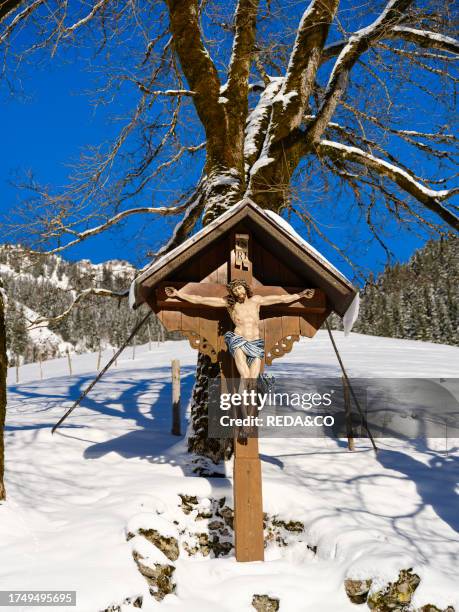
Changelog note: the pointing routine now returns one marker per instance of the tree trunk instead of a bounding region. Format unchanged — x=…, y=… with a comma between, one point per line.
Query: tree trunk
x=198, y=442
x=3, y=373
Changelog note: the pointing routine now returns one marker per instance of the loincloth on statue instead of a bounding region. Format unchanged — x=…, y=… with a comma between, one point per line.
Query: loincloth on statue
x=252, y=349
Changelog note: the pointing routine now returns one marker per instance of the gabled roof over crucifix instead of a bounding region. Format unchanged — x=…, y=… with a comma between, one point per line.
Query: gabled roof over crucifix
x=280, y=246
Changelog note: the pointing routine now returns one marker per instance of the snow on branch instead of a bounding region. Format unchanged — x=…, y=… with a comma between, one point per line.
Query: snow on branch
x=167, y=92
x=302, y=68
x=357, y=44
x=423, y=38
x=258, y=120
x=18, y=18
x=239, y=67
x=45, y=321
x=7, y=7
x=84, y=20
x=80, y=236
x=429, y=197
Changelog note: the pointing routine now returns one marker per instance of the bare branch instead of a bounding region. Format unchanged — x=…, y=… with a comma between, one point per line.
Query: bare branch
x=24, y=14
x=308, y=219
x=201, y=74
x=410, y=136
x=7, y=7
x=423, y=38
x=429, y=197
x=357, y=44
x=194, y=207
x=161, y=210
x=45, y=321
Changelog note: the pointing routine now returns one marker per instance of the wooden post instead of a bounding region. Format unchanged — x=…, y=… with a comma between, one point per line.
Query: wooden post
x=149, y=337
x=133, y=349
x=348, y=416
x=99, y=358
x=248, y=500
x=176, y=431
x=17, y=368
x=69, y=362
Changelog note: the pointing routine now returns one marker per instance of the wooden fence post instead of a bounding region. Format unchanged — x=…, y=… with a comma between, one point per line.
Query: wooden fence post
x=348, y=415
x=17, y=368
x=176, y=431
x=133, y=349
x=69, y=362
x=99, y=358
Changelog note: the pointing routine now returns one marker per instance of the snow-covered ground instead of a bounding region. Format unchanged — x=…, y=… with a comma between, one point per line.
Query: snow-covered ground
x=71, y=496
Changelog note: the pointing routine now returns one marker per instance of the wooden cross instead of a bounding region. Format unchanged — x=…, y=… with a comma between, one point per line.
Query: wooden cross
x=280, y=326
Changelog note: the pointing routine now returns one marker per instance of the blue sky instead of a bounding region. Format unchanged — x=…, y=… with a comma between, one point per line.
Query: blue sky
x=46, y=129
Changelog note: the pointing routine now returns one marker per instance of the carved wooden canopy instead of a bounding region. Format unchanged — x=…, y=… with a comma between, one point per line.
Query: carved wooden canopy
x=249, y=243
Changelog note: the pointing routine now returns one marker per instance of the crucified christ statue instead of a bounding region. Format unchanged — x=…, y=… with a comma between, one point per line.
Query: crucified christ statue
x=244, y=343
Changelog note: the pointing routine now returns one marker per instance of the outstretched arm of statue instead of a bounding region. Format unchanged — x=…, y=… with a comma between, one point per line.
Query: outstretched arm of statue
x=195, y=299
x=268, y=300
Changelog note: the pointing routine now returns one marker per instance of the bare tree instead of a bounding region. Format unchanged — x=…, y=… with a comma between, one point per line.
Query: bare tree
x=323, y=110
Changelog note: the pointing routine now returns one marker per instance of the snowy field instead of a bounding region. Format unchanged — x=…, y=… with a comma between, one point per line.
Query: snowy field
x=71, y=496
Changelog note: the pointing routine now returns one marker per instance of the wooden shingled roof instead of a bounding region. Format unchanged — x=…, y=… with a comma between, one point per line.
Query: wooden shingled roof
x=274, y=234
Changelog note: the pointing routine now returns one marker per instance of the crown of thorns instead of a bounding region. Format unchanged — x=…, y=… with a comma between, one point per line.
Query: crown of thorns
x=239, y=283
x=230, y=299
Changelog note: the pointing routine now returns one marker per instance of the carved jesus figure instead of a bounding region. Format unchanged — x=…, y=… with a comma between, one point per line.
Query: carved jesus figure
x=244, y=343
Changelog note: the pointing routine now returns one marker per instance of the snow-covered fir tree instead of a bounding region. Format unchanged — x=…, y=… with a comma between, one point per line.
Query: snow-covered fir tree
x=417, y=300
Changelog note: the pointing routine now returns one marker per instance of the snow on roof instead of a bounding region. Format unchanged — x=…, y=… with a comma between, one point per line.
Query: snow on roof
x=304, y=243
x=183, y=246
x=350, y=315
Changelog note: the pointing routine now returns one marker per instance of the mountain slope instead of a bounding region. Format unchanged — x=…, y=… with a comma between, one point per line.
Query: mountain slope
x=46, y=286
